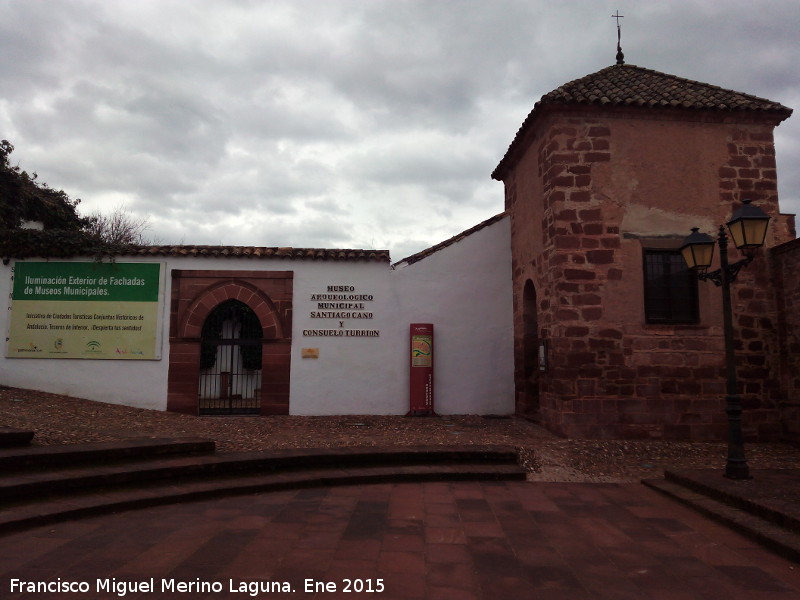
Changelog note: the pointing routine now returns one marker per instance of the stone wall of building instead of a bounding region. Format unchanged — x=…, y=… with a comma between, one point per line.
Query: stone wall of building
x=591, y=192
x=750, y=173
x=786, y=262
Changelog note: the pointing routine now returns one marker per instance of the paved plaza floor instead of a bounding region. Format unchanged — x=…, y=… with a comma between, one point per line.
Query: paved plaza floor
x=459, y=541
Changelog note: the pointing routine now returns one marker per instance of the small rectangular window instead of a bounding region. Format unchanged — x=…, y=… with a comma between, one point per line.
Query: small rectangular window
x=670, y=289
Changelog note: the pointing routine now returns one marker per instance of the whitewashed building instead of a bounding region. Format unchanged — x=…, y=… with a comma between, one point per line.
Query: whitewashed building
x=227, y=330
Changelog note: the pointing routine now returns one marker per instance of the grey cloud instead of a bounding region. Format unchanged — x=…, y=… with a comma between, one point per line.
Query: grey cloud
x=310, y=230
x=338, y=122
x=328, y=206
x=417, y=158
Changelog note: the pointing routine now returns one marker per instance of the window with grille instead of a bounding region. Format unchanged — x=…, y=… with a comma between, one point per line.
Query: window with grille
x=670, y=289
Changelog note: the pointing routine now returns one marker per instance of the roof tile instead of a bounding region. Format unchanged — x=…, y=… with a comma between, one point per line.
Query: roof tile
x=348, y=255
x=632, y=86
x=410, y=260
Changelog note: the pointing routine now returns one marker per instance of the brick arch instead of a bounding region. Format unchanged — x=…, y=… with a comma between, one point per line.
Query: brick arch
x=197, y=312
x=194, y=295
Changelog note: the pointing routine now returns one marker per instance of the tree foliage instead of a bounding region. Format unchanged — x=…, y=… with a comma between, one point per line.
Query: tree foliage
x=56, y=243
x=66, y=233
x=22, y=198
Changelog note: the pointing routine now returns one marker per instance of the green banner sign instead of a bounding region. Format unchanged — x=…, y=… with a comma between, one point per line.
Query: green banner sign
x=85, y=310
x=78, y=282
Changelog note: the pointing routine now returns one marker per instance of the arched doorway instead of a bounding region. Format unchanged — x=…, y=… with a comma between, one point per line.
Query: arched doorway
x=231, y=349
x=530, y=350
x=195, y=295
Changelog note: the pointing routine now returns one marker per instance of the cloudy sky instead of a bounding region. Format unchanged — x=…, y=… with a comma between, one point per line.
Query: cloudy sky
x=339, y=123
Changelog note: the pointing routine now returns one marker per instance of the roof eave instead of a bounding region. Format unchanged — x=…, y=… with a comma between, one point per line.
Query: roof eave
x=415, y=258
x=526, y=132
x=261, y=252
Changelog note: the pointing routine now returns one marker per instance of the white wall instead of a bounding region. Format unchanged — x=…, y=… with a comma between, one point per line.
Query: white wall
x=135, y=383
x=352, y=375
x=463, y=289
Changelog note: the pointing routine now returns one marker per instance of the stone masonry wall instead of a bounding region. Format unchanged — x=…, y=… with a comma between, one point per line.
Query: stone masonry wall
x=786, y=263
x=750, y=173
x=609, y=373
x=579, y=248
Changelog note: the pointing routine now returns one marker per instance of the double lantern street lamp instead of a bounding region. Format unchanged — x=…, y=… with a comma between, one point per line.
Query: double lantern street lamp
x=748, y=228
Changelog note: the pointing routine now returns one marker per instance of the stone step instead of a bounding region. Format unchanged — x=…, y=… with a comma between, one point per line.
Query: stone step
x=13, y=459
x=20, y=485
x=54, y=490
x=56, y=508
x=780, y=540
x=735, y=493
x=9, y=436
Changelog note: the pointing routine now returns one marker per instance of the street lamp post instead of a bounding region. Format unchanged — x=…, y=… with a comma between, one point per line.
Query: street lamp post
x=748, y=228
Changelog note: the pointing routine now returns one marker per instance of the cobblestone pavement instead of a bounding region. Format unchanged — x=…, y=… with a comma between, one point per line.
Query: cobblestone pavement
x=62, y=419
x=432, y=541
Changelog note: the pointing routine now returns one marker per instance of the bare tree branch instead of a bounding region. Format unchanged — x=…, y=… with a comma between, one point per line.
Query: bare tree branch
x=120, y=227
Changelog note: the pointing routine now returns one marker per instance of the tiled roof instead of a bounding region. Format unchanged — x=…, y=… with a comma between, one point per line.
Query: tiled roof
x=631, y=85
x=329, y=254
x=456, y=238
x=637, y=87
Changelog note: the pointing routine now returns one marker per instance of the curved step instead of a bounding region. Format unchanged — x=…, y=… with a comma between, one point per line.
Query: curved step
x=30, y=484
x=72, y=454
x=41, y=495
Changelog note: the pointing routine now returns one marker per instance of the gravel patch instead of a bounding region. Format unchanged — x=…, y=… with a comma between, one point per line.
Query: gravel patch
x=58, y=419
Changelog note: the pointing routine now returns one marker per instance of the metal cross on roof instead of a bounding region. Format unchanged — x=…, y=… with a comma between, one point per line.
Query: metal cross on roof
x=620, y=55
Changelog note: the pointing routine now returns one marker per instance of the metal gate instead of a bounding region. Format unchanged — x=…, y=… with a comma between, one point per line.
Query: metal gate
x=230, y=361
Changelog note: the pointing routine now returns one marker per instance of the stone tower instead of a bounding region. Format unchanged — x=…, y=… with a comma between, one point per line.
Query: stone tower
x=603, y=181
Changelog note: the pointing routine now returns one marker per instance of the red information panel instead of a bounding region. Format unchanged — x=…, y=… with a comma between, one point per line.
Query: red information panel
x=421, y=394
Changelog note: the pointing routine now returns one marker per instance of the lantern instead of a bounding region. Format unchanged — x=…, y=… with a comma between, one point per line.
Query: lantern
x=698, y=250
x=748, y=226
